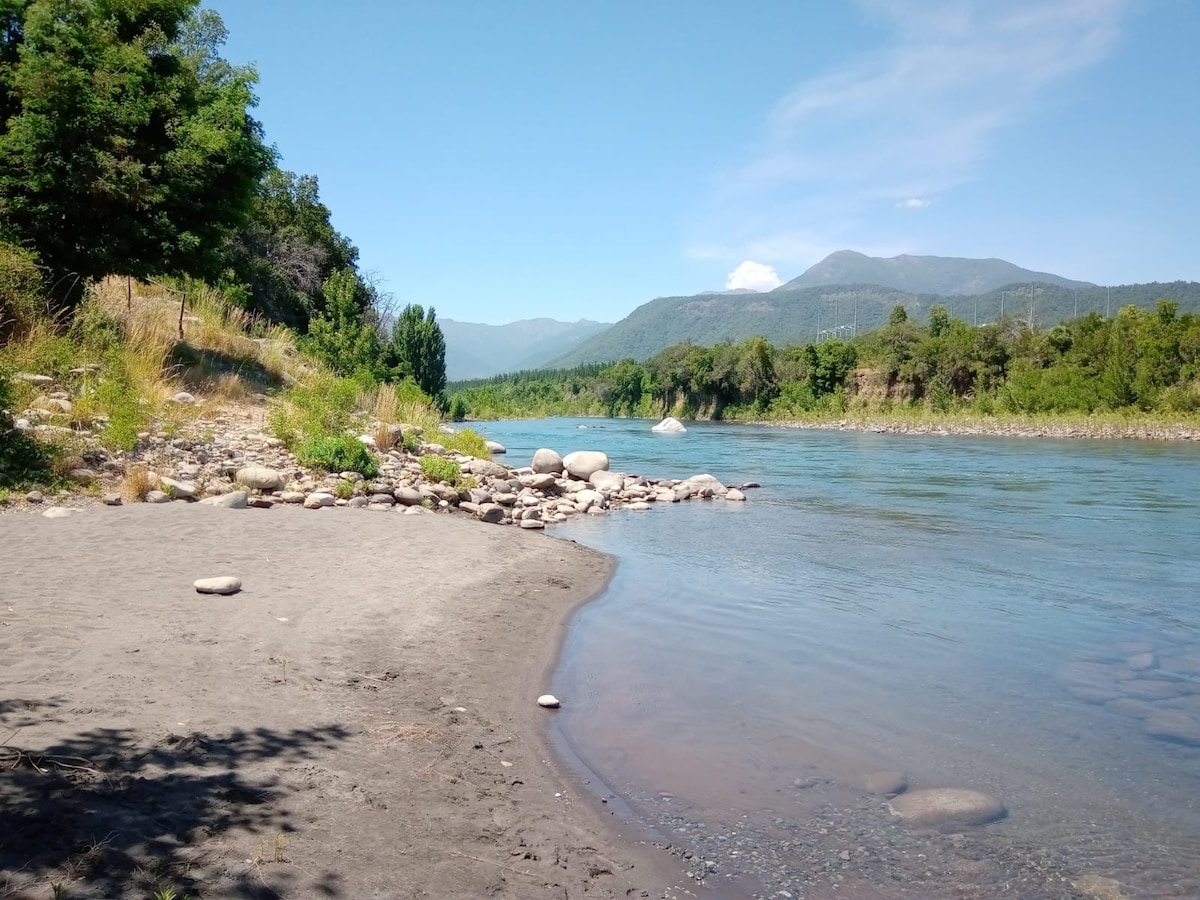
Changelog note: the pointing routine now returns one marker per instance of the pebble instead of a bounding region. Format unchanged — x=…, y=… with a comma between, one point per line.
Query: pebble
x=158, y=497
x=548, y=701
x=35, y=497
x=224, y=584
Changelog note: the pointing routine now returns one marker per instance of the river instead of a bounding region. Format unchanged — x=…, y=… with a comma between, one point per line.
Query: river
x=1015, y=616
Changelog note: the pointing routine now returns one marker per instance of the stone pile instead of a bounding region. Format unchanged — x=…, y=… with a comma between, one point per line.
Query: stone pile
x=228, y=461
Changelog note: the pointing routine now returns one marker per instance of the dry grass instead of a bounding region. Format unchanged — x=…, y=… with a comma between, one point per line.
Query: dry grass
x=385, y=438
x=386, y=733
x=138, y=482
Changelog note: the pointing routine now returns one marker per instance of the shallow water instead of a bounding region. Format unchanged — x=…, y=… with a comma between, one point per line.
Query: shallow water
x=964, y=610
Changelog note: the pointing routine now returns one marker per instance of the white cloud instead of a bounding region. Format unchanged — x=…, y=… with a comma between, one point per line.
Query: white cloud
x=753, y=276
x=906, y=123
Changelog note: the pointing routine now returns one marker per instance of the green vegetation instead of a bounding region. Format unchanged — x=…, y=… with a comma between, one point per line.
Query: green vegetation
x=337, y=453
x=22, y=459
x=1138, y=362
x=418, y=350
x=438, y=468
x=126, y=146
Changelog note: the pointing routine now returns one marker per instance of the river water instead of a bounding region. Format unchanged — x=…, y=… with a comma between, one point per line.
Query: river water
x=1015, y=616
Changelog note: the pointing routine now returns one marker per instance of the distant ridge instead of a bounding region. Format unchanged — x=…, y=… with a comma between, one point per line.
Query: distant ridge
x=474, y=350
x=923, y=274
x=821, y=312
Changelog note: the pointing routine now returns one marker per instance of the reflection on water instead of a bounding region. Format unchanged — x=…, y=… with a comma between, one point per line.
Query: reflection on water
x=1015, y=616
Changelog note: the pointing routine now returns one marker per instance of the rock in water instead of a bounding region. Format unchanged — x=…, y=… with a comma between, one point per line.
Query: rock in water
x=671, y=425
x=495, y=447
x=224, y=584
x=548, y=701
x=947, y=806
x=59, y=512
x=582, y=464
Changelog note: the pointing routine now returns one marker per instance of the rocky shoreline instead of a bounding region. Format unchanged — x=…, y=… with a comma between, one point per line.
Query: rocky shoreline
x=229, y=460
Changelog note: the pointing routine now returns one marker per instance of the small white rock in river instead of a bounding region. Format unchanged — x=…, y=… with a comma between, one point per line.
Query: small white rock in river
x=670, y=424
x=224, y=584
x=548, y=701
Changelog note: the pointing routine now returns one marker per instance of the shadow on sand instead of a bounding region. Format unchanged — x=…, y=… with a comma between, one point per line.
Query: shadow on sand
x=103, y=814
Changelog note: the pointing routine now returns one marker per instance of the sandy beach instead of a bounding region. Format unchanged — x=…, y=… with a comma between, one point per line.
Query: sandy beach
x=359, y=721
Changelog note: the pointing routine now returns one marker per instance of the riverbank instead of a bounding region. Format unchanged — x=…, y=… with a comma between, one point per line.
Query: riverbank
x=1107, y=428
x=360, y=720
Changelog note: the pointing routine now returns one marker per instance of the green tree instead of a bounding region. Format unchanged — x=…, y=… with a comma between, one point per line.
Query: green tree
x=829, y=364
x=418, y=349
x=122, y=151
x=338, y=335
x=287, y=249
x=939, y=320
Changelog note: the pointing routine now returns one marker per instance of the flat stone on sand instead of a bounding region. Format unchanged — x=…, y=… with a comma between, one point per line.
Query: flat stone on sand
x=548, y=701
x=224, y=584
x=947, y=806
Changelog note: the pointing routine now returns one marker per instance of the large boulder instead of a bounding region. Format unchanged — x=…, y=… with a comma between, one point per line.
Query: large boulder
x=540, y=482
x=546, y=461
x=231, y=500
x=582, y=464
x=260, y=478
x=484, y=467
x=669, y=425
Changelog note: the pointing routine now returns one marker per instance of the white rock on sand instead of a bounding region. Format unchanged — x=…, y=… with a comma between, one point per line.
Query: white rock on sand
x=222, y=584
x=548, y=701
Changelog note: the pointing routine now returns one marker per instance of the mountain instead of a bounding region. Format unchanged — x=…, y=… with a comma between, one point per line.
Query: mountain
x=478, y=351
x=817, y=313
x=923, y=274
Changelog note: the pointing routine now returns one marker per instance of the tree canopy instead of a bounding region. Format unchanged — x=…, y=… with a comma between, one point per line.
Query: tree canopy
x=126, y=143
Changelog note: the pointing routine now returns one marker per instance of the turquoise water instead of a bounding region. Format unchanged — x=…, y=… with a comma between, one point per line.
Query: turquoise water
x=969, y=611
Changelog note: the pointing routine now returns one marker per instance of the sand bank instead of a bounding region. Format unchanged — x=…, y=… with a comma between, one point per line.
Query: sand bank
x=359, y=721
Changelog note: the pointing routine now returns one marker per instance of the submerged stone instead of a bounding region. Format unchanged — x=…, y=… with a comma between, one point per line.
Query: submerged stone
x=947, y=806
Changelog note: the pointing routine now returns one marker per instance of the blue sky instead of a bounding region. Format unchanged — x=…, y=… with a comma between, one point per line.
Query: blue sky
x=537, y=158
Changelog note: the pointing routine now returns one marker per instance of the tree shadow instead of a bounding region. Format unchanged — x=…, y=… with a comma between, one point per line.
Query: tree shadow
x=105, y=815
x=200, y=368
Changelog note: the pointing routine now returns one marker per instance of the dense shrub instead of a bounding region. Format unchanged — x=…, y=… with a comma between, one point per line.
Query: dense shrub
x=337, y=453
